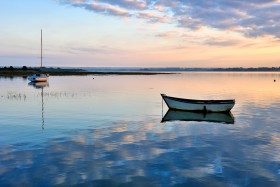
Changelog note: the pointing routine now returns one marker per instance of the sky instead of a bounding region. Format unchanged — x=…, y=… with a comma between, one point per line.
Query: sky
x=140, y=33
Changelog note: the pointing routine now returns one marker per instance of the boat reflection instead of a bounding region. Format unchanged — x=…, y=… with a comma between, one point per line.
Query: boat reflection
x=217, y=117
x=38, y=85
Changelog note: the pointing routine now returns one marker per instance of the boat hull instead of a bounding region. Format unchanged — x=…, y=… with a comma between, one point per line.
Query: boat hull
x=198, y=105
x=38, y=79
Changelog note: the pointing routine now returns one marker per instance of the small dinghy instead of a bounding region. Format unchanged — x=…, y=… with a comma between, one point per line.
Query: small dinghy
x=176, y=103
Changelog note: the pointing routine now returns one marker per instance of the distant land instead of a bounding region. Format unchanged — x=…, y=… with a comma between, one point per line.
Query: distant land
x=57, y=71
x=180, y=69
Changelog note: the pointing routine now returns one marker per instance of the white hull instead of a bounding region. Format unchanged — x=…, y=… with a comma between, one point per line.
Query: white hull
x=198, y=105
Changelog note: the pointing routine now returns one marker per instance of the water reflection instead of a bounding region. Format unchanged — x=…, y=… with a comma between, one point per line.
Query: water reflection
x=107, y=132
x=13, y=77
x=104, y=157
x=40, y=85
x=175, y=115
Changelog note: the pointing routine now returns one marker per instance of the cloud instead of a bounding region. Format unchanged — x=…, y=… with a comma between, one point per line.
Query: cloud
x=129, y=4
x=168, y=34
x=255, y=18
x=221, y=42
x=92, y=50
x=204, y=36
x=153, y=17
x=252, y=18
x=103, y=8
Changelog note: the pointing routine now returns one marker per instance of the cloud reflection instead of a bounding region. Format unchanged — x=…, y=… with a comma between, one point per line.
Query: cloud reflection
x=129, y=154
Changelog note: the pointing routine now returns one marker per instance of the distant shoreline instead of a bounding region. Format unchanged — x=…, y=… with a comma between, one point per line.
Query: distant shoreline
x=180, y=69
x=24, y=71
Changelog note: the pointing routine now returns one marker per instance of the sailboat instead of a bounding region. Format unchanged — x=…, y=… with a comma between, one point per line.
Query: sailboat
x=39, y=77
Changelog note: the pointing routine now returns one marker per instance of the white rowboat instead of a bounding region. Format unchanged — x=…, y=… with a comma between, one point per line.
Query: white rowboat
x=198, y=105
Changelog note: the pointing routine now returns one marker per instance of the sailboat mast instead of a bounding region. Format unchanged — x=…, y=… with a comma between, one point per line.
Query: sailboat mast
x=41, y=48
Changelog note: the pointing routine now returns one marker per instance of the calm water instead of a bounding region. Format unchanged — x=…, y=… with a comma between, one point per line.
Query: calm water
x=107, y=131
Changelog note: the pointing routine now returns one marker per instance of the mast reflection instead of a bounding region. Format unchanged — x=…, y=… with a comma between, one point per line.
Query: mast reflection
x=40, y=85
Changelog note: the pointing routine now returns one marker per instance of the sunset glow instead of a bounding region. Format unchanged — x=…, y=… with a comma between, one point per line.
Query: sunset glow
x=141, y=33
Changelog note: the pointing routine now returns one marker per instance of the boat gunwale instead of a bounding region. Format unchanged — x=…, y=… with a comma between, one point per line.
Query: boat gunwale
x=197, y=101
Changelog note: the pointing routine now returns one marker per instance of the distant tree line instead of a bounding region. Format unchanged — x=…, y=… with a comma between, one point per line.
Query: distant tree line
x=248, y=69
x=171, y=69
x=235, y=69
x=12, y=68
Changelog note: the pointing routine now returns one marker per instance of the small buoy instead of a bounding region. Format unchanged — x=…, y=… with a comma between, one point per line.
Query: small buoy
x=93, y=78
x=274, y=80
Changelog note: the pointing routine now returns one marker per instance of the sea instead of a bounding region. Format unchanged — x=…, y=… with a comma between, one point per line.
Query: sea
x=115, y=130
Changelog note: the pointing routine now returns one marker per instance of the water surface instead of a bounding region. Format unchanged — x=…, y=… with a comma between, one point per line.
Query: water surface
x=108, y=131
